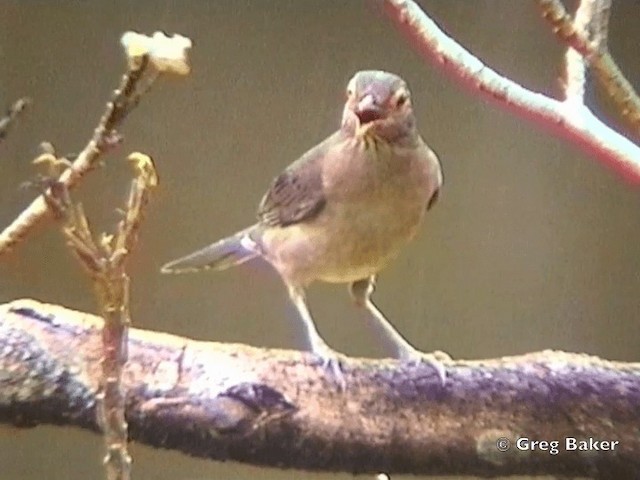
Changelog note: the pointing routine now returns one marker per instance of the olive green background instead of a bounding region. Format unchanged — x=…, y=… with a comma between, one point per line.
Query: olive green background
x=533, y=244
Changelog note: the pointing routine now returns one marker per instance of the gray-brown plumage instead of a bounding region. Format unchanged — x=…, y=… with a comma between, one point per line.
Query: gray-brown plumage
x=344, y=209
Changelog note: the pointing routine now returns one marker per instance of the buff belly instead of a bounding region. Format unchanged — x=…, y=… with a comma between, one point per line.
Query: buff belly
x=343, y=244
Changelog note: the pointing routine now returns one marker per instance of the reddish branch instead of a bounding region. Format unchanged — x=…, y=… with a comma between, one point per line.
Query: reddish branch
x=578, y=125
x=278, y=408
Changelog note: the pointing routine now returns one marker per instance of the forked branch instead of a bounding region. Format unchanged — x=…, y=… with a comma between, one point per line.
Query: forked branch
x=147, y=58
x=578, y=125
x=104, y=260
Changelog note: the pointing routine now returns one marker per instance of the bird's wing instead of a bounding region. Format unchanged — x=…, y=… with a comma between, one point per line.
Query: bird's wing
x=435, y=196
x=297, y=194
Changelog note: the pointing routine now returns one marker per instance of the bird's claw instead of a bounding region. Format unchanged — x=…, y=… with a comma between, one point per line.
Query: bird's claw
x=437, y=359
x=331, y=362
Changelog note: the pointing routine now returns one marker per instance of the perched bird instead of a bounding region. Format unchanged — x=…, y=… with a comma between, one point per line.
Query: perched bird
x=344, y=209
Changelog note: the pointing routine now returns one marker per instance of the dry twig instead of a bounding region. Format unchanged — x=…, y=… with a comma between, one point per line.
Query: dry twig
x=12, y=114
x=104, y=137
x=104, y=260
x=147, y=58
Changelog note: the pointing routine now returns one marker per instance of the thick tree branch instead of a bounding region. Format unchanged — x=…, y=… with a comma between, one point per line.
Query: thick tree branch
x=278, y=408
x=578, y=125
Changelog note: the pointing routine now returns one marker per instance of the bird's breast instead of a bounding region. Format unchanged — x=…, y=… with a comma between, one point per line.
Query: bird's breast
x=376, y=198
x=369, y=169
x=376, y=195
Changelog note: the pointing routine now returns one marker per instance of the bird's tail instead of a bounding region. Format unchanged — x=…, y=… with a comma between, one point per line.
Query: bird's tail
x=221, y=255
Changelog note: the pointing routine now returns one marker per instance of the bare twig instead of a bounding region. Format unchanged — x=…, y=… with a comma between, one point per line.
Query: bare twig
x=584, y=130
x=279, y=408
x=12, y=114
x=105, y=259
x=575, y=71
x=600, y=24
x=105, y=262
x=103, y=138
x=596, y=53
x=152, y=55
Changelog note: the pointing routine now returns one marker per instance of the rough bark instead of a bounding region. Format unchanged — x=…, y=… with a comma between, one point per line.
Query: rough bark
x=280, y=408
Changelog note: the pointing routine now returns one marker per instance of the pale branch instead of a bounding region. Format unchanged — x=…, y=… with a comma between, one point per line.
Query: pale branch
x=578, y=125
x=575, y=69
x=600, y=24
x=281, y=408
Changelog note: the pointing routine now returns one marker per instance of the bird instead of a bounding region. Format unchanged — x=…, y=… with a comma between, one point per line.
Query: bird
x=344, y=210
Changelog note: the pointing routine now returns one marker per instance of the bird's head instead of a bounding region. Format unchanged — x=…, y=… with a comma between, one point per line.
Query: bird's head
x=380, y=103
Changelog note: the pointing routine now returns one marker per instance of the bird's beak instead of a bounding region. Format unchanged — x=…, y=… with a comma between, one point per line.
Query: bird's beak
x=368, y=110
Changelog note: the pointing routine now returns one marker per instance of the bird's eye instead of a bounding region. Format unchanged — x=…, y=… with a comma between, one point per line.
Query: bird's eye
x=402, y=99
x=349, y=92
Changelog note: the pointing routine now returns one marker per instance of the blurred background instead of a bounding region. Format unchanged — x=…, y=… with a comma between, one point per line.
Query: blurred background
x=533, y=244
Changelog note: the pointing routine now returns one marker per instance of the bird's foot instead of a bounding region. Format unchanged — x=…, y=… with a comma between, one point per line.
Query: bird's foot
x=437, y=359
x=331, y=362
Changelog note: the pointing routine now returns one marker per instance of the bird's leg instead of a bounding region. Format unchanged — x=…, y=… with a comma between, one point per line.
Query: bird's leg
x=316, y=342
x=361, y=291
x=330, y=358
